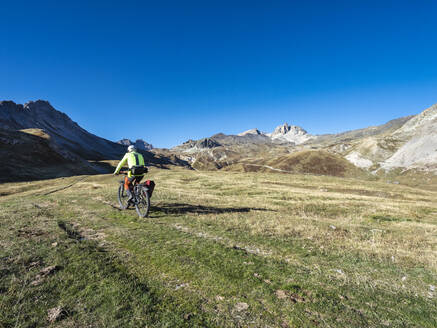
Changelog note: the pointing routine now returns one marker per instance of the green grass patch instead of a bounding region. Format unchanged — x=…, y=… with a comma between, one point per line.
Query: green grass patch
x=219, y=250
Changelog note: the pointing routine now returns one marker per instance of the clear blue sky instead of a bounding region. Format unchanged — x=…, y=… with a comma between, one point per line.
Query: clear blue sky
x=167, y=71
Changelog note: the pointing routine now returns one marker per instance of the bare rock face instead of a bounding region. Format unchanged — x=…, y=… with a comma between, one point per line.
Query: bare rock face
x=419, y=148
x=207, y=143
x=284, y=129
x=125, y=142
x=139, y=144
x=407, y=143
x=290, y=133
x=199, y=145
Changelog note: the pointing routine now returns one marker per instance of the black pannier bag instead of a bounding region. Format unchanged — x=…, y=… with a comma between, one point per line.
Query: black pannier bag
x=138, y=169
x=150, y=186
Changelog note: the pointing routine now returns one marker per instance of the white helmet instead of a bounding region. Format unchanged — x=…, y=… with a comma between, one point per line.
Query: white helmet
x=131, y=148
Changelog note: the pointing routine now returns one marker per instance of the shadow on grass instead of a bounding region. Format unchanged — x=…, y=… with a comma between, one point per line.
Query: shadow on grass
x=181, y=208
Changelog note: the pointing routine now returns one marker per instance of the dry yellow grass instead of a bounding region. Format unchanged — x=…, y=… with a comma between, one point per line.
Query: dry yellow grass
x=37, y=132
x=364, y=252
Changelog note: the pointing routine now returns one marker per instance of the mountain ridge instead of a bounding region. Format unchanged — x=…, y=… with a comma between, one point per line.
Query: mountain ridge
x=404, y=143
x=41, y=142
x=139, y=144
x=408, y=142
x=65, y=132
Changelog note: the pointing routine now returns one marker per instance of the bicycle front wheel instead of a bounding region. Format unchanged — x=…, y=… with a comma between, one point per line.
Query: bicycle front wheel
x=122, y=197
x=142, y=205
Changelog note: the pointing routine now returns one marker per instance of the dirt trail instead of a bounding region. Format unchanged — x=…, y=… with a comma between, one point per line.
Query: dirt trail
x=65, y=187
x=268, y=167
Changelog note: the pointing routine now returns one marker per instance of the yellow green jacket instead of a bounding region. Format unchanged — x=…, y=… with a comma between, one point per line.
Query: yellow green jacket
x=131, y=159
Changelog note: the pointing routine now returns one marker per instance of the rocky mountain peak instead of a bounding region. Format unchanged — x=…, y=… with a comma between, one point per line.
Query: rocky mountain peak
x=34, y=106
x=125, y=142
x=290, y=133
x=139, y=144
x=38, y=104
x=207, y=143
x=8, y=107
x=282, y=129
x=285, y=129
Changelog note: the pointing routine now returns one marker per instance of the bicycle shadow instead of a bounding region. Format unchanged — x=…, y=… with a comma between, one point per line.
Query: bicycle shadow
x=182, y=208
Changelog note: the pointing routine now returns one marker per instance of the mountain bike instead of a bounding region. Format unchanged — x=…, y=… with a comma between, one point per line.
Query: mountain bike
x=140, y=197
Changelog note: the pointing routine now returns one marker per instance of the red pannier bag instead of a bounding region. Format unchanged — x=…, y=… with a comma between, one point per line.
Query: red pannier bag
x=151, y=186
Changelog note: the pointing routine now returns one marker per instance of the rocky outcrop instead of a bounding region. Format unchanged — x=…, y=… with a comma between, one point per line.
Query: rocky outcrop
x=419, y=138
x=139, y=144
x=408, y=142
x=204, y=143
x=207, y=143
x=290, y=133
x=405, y=143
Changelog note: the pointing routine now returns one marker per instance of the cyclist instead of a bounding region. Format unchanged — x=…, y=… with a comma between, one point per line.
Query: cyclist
x=136, y=170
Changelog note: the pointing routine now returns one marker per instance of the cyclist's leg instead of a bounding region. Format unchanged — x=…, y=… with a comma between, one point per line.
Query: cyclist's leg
x=126, y=183
x=138, y=178
x=128, y=186
x=133, y=181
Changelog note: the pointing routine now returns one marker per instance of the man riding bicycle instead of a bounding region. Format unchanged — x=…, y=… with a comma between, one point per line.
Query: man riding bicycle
x=136, y=170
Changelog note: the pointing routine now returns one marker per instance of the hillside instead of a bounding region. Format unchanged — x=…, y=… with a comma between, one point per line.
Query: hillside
x=389, y=127
x=64, y=132
x=30, y=154
x=38, y=142
x=400, y=145
x=419, y=147
x=404, y=144
x=221, y=249
x=317, y=162
x=410, y=146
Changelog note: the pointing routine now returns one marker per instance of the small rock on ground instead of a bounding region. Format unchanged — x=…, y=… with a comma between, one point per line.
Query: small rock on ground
x=55, y=314
x=241, y=306
x=281, y=294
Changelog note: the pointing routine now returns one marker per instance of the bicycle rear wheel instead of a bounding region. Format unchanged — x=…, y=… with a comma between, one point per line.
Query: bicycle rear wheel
x=122, y=197
x=142, y=205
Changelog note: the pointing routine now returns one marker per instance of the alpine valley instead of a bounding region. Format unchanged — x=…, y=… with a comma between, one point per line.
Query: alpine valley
x=44, y=142
x=403, y=149
x=280, y=229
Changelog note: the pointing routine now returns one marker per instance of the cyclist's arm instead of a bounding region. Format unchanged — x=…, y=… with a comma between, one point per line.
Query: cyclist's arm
x=120, y=165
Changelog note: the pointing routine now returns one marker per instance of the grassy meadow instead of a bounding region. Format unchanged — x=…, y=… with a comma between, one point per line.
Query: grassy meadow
x=219, y=249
